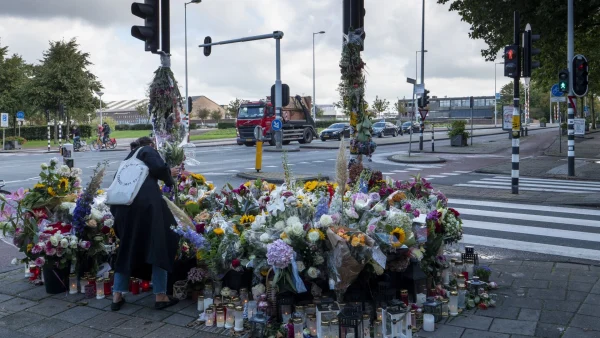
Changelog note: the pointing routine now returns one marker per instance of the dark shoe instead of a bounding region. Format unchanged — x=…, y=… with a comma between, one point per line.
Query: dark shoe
x=163, y=305
x=117, y=306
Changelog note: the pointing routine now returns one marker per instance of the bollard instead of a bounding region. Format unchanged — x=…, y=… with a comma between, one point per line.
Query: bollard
x=432, y=139
x=67, y=153
x=258, y=160
x=48, y=136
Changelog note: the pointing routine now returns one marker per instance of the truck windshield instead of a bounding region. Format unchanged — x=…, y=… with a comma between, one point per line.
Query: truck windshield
x=250, y=112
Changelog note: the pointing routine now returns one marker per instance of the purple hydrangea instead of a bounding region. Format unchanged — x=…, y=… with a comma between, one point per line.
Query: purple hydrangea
x=279, y=254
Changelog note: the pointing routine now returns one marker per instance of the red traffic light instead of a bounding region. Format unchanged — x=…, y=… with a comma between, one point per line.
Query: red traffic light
x=510, y=54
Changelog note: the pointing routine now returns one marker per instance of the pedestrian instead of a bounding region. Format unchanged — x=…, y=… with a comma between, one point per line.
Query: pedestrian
x=147, y=244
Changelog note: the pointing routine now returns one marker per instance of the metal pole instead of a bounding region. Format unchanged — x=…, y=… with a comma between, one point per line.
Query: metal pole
x=495, y=103
x=48, y=135
x=432, y=138
x=551, y=112
x=314, y=90
x=471, y=126
x=187, y=114
x=412, y=117
x=278, y=98
x=516, y=116
x=421, y=124
x=59, y=135
x=571, y=110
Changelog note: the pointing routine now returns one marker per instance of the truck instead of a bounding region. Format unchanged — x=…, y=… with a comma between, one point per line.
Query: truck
x=298, y=124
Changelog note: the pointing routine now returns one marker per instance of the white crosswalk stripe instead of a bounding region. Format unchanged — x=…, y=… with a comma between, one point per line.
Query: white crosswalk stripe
x=535, y=184
x=443, y=175
x=567, y=232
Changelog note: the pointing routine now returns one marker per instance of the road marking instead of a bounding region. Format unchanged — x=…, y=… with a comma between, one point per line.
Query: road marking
x=451, y=174
x=549, y=180
x=524, y=207
x=535, y=218
x=400, y=171
x=521, y=188
x=437, y=176
x=303, y=162
x=414, y=169
x=525, y=183
x=271, y=166
x=461, y=171
x=521, y=229
x=532, y=247
x=387, y=173
x=234, y=171
x=318, y=161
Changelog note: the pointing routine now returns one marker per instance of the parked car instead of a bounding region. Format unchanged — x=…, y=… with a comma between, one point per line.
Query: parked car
x=335, y=131
x=406, y=127
x=381, y=129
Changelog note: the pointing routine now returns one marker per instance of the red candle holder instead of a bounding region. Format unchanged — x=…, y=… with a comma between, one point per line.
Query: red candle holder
x=145, y=285
x=135, y=287
x=34, y=272
x=107, y=287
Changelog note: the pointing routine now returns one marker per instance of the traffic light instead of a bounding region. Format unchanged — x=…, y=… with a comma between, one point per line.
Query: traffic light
x=354, y=17
x=511, y=61
x=285, y=95
x=149, y=33
x=207, y=49
x=563, y=80
x=424, y=99
x=580, y=75
x=189, y=104
x=528, y=52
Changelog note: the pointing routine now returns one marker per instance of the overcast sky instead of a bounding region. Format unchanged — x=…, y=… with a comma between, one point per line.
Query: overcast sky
x=453, y=65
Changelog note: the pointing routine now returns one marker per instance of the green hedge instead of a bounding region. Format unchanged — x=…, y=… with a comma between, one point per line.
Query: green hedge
x=225, y=125
x=41, y=132
x=142, y=126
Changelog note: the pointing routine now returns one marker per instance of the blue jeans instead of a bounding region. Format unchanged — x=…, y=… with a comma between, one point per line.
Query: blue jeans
x=159, y=281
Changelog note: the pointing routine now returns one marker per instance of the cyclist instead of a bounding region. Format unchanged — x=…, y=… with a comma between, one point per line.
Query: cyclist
x=106, y=132
x=76, y=135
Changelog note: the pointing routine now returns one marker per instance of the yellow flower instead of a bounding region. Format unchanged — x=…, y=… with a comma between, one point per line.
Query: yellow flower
x=112, y=233
x=29, y=247
x=310, y=185
x=199, y=178
x=211, y=186
x=190, y=202
x=321, y=234
x=272, y=186
x=399, y=234
x=247, y=219
x=100, y=192
x=199, y=255
x=39, y=186
x=248, y=184
x=51, y=192
x=63, y=184
x=283, y=235
x=264, y=272
x=235, y=230
x=355, y=241
x=218, y=231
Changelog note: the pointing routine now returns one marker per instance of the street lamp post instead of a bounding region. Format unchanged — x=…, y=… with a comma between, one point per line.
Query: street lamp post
x=100, y=94
x=187, y=114
x=314, y=103
x=416, y=77
x=495, y=91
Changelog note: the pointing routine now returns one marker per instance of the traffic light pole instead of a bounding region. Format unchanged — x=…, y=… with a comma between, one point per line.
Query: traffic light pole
x=571, y=110
x=516, y=117
x=422, y=124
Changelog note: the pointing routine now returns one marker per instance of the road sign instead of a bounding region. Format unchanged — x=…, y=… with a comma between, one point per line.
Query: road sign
x=419, y=89
x=579, y=126
x=586, y=110
x=497, y=96
x=556, y=91
x=276, y=125
x=20, y=116
x=507, y=113
x=558, y=99
x=4, y=120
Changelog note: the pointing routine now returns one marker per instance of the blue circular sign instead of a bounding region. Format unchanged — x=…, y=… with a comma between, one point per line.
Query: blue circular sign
x=276, y=125
x=556, y=91
x=20, y=115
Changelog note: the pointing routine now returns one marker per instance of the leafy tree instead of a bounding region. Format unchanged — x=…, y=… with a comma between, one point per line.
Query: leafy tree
x=203, y=114
x=14, y=84
x=400, y=108
x=380, y=106
x=142, y=110
x=320, y=112
x=234, y=107
x=215, y=115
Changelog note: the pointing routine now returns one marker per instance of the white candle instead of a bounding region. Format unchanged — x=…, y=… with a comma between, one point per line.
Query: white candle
x=207, y=303
x=428, y=322
x=200, y=304
x=421, y=298
x=239, y=324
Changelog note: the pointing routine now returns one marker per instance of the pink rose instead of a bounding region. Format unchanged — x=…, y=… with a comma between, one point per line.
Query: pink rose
x=85, y=244
x=40, y=261
x=51, y=251
x=36, y=249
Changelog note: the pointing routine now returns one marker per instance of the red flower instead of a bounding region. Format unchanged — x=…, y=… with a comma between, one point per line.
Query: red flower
x=40, y=213
x=105, y=230
x=200, y=227
x=58, y=227
x=452, y=210
x=483, y=306
x=235, y=263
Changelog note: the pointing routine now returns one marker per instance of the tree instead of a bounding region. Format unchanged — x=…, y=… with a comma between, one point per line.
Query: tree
x=203, y=114
x=142, y=110
x=380, y=106
x=400, y=108
x=14, y=84
x=234, y=107
x=215, y=115
x=320, y=112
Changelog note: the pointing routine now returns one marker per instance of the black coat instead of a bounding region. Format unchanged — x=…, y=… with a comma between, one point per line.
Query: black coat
x=144, y=226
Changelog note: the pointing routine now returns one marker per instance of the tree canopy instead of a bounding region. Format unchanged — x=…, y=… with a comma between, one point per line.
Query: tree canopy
x=380, y=105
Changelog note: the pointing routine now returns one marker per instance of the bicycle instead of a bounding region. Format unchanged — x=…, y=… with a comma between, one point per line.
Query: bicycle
x=98, y=143
x=79, y=144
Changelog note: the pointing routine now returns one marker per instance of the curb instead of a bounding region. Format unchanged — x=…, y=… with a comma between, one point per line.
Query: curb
x=282, y=150
x=278, y=180
x=422, y=160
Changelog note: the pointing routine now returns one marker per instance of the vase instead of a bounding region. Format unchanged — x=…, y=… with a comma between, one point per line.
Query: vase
x=180, y=289
x=56, y=280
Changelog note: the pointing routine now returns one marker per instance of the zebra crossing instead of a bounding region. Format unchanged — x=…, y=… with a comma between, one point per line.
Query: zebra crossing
x=562, y=231
x=535, y=184
x=413, y=168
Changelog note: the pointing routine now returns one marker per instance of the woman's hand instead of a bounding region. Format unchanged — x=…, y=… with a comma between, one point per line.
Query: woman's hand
x=175, y=171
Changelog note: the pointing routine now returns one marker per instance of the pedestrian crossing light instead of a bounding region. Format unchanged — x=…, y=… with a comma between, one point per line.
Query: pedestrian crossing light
x=424, y=99
x=563, y=80
x=511, y=61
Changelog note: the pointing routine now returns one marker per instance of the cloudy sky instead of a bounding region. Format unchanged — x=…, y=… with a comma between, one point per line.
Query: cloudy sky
x=453, y=63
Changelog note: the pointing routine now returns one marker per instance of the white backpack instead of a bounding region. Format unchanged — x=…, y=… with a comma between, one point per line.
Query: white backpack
x=127, y=183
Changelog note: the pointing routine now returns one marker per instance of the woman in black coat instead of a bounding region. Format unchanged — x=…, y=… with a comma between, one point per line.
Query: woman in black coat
x=147, y=244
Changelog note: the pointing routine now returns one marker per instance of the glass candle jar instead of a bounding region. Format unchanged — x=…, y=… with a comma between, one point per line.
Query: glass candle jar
x=458, y=268
x=298, y=327
x=107, y=287
x=73, y=284
x=244, y=296
x=236, y=301
x=220, y=317
x=217, y=286
x=99, y=288
x=366, y=324
x=251, y=309
x=421, y=298
x=207, y=302
x=82, y=284
x=200, y=305
x=462, y=295
x=208, y=291
x=334, y=328
x=445, y=308
x=378, y=329
x=419, y=318
x=404, y=296
x=230, y=316
x=324, y=329
x=311, y=324
x=89, y=291
x=413, y=320
x=310, y=309
x=300, y=312
x=239, y=318
x=379, y=314
x=210, y=318
x=468, y=268
x=145, y=285
x=135, y=286
x=453, y=303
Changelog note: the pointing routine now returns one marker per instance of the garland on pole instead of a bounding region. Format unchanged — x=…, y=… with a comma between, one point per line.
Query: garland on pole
x=352, y=92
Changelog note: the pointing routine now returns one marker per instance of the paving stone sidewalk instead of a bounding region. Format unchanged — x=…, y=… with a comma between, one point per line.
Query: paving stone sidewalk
x=535, y=299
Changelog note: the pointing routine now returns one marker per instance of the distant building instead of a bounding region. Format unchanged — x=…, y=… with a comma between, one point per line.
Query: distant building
x=454, y=107
x=125, y=111
x=331, y=112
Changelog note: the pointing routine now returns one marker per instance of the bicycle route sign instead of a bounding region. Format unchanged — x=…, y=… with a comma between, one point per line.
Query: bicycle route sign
x=20, y=116
x=276, y=125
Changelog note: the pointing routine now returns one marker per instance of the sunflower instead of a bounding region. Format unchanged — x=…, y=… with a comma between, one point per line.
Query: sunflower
x=355, y=241
x=235, y=230
x=39, y=186
x=51, y=192
x=211, y=186
x=247, y=219
x=199, y=178
x=63, y=184
x=218, y=231
x=310, y=185
x=399, y=234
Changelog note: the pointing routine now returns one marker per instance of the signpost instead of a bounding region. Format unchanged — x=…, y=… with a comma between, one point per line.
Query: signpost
x=20, y=119
x=258, y=135
x=276, y=125
x=586, y=111
x=579, y=126
x=3, y=124
x=556, y=96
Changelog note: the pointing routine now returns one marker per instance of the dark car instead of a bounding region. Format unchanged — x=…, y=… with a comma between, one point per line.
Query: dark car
x=336, y=131
x=406, y=127
x=381, y=129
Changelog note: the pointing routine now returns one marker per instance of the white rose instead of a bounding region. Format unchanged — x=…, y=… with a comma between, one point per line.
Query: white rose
x=265, y=238
x=109, y=222
x=44, y=166
x=300, y=266
x=64, y=243
x=64, y=170
x=312, y=272
x=73, y=244
x=53, y=240
x=379, y=207
x=292, y=221
x=279, y=225
x=326, y=221
x=313, y=236
x=53, y=161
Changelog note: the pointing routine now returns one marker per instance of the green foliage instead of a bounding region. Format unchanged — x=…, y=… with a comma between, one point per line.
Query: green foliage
x=21, y=140
x=41, y=132
x=225, y=125
x=203, y=114
x=234, y=107
x=215, y=115
x=111, y=122
x=380, y=105
x=457, y=127
x=320, y=112
x=400, y=108
x=14, y=78
x=142, y=126
x=543, y=120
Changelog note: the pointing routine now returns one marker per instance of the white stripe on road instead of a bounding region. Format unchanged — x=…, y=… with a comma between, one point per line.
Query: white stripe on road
x=400, y=171
x=461, y=171
x=318, y=161
x=450, y=174
x=525, y=183
x=438, y=176
x=532, y=247
x=521, y=229
x=526, y=217
x=524, y=207
x=521, y=188
x=548, y=180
